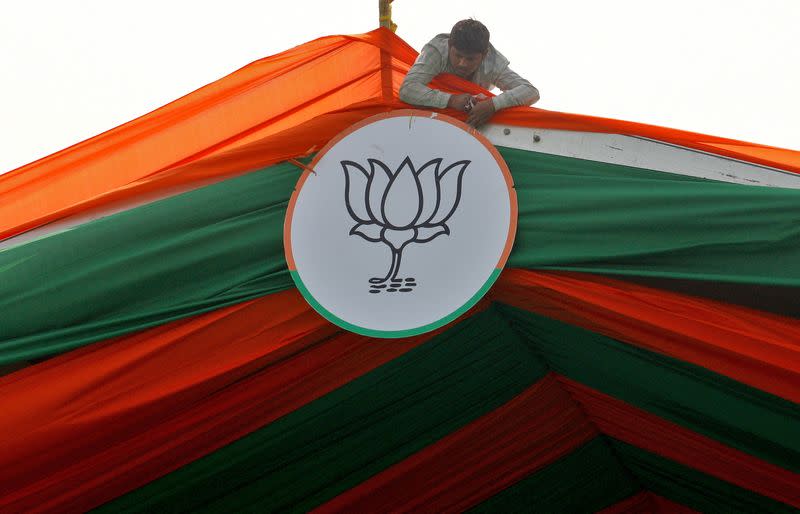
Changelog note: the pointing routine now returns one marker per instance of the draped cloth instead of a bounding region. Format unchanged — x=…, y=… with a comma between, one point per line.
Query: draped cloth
x=172, y=366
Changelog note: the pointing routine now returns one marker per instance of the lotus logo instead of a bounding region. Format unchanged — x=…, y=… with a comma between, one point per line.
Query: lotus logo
x=398, y=208
x=426, y=226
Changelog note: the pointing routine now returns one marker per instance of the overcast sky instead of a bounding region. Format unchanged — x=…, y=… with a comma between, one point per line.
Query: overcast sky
x=728, y=68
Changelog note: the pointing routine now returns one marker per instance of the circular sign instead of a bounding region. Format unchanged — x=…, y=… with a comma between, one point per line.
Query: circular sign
x=400, y=224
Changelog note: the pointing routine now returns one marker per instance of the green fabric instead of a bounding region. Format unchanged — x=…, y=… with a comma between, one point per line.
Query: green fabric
x=588, y=479
x=174, y=258
x=735, y=414
x=693, y=488
x=587, y=216
x=223, y=244
x=340, y=440
x=605, y=471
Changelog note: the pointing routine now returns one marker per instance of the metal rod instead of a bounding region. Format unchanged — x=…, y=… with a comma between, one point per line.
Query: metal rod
x=385, y=15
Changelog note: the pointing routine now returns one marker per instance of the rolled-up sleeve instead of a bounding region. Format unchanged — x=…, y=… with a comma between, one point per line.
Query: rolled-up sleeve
x=516, y=91
x=415, y=90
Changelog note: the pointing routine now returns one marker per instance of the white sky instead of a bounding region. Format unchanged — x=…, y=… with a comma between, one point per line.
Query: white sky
x=728, y=68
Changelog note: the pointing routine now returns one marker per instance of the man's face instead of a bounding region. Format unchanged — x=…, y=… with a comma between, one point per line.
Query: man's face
x=465, y=63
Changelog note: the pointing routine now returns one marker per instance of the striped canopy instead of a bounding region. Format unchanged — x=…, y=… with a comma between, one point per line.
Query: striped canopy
x=639, y=354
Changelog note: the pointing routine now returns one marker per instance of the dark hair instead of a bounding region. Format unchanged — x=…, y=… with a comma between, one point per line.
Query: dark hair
x=470, y=36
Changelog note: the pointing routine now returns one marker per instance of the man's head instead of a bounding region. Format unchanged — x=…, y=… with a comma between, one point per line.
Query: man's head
x=469, y=43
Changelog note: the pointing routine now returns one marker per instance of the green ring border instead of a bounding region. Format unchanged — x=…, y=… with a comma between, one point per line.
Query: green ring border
x=394, y=334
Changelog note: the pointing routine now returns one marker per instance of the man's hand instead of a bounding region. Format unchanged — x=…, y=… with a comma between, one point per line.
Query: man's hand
x=460, y=102
x=481, y=112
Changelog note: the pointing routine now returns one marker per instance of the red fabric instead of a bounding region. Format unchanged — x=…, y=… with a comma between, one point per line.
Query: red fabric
x=86, y=427
x=171, y=394
x=156, y=152
x=532, y=431
x=619, y=420
x=71, y=425
x=647, y=503
x=479, y=460
x=752, y=347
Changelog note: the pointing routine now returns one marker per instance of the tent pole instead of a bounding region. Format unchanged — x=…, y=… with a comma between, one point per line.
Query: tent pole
x=385, y=15
x=385, y=20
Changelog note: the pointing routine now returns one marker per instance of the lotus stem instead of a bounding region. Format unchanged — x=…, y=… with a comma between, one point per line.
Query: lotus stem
x=393, y=269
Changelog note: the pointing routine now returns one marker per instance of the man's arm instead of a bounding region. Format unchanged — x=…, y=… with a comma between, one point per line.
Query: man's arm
x=516, y=91
x=415, y=90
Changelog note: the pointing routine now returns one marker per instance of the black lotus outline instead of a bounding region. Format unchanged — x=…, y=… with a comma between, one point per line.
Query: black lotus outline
x=366, y=194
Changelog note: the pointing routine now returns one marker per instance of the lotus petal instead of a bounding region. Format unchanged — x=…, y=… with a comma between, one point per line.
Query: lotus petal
x=376, y=189
x=449, y=191
x=397, y=239
x=403, y=198
x=425, y=234
x=427, y=176
x=369, y=231
x=355, y=191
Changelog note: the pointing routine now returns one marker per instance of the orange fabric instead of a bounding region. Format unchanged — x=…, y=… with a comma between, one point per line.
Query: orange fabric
x=760, y=154
x=752, y=347
x=478, y=461
x=349, y=75
x=619, y=420
x=288, y=144
x=265, y=97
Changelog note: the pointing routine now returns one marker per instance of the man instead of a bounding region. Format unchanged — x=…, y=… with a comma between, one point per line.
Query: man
x=466, y=52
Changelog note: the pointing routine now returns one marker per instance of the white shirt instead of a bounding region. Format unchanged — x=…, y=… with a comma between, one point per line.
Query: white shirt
x=493, y=71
